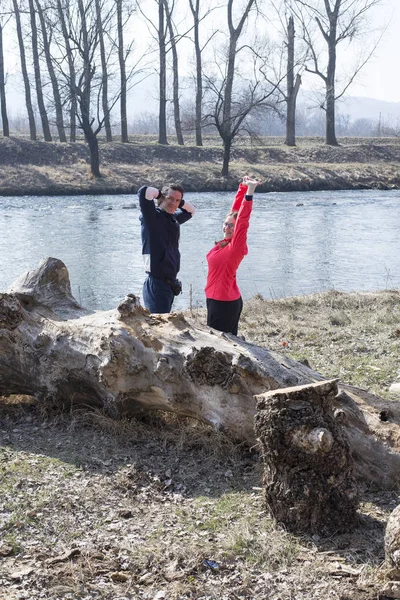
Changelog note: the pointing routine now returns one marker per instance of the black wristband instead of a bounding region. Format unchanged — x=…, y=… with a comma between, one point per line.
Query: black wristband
x=181, y=203
x=248, y=197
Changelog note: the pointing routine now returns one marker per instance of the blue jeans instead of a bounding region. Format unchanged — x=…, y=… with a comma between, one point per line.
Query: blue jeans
x=157, y=295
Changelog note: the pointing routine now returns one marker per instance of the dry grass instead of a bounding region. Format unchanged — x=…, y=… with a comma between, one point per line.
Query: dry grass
x=353, y=336
x=29, y=168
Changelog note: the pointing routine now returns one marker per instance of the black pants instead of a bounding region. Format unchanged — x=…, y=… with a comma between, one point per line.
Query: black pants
x=224, y=315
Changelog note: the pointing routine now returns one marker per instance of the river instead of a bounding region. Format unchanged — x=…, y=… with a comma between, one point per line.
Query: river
x=299, y=243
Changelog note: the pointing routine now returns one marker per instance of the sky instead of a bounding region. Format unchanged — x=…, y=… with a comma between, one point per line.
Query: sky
x=379, y=79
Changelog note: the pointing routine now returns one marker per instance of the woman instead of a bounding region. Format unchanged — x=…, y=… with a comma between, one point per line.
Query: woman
x=224, y=302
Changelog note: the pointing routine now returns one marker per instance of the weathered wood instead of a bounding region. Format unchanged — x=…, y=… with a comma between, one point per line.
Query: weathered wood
x=392, y=541
x=127, y=361
x=308, y=467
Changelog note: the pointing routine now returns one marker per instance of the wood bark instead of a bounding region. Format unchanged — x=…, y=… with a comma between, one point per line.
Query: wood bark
x=127, y=361
x=392, y=541
x=308, y=467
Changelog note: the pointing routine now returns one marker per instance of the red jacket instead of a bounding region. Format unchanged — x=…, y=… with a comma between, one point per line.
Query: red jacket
x=224, y=262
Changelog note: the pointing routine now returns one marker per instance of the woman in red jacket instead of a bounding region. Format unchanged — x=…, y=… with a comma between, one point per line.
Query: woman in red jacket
x=224, y=302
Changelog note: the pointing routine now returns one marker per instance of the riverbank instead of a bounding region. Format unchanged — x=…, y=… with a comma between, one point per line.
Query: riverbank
x=163, y=508
x=40, y=168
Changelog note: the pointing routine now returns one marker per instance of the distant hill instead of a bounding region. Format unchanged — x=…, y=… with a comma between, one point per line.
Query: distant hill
x=357, y=107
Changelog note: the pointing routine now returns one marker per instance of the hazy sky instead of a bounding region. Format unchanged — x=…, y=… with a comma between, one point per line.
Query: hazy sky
x=380, y=78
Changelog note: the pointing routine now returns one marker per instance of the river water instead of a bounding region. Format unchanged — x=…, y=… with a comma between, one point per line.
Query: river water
x=298, y=243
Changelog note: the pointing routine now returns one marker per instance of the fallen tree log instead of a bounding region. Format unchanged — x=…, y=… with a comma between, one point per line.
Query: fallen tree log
x=128, y=361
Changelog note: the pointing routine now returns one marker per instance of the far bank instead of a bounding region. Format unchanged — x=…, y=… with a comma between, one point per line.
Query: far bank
x=43, y=168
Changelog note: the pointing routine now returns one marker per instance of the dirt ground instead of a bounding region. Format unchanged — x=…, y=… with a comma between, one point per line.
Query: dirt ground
x=93, y=508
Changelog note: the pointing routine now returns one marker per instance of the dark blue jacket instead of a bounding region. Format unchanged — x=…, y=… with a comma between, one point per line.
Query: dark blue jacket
x=160, y=237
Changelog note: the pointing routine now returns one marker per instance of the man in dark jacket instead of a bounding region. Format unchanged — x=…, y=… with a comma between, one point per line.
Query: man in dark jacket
x=160, y=243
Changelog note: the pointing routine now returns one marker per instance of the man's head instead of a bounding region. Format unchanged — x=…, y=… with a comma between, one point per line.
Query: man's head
x=171, y=196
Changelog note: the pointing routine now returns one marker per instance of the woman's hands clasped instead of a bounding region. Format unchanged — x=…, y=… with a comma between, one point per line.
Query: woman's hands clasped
x=251, y=184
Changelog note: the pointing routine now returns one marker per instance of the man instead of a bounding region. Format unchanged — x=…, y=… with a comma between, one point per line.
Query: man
x=160, y=243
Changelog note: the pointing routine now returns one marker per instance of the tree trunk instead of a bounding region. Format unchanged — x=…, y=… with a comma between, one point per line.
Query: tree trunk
x=330, y=138
x=27, y=87
x=195, y=8
x=122, y=70
x=175, y=75
x=72, y=74
x=128, y=361
x=292, y=88
x=104, y=73
x=93, y=143
x=291, y=114
x=308, y=467
x=87, y=71
x=38, y=80
x=3, y=99
x=227, y=157
x=162, y=118
x=53, y=78
x=226, y=125
x=177, y=115
x=330, y=85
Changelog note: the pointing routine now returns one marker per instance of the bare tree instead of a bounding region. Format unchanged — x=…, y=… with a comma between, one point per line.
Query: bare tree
x=3, y=98
x=291, y=64
x=159, y=32
x=292, y=86
x=162, y=112
x=122, y=71
x=102, y=24
x=46, y=30
x=165, y=43
x=83, y=77
x=137, y=70
x=69, y=78
x=38, y=79
x=27, y=86
x=195, y=8
x=173, y=40
x=336, y=21
x=230, y=106
x=198, y=48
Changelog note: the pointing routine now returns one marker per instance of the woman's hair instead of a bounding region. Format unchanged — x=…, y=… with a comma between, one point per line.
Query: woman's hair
x=170, y=186
x=223, y=243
